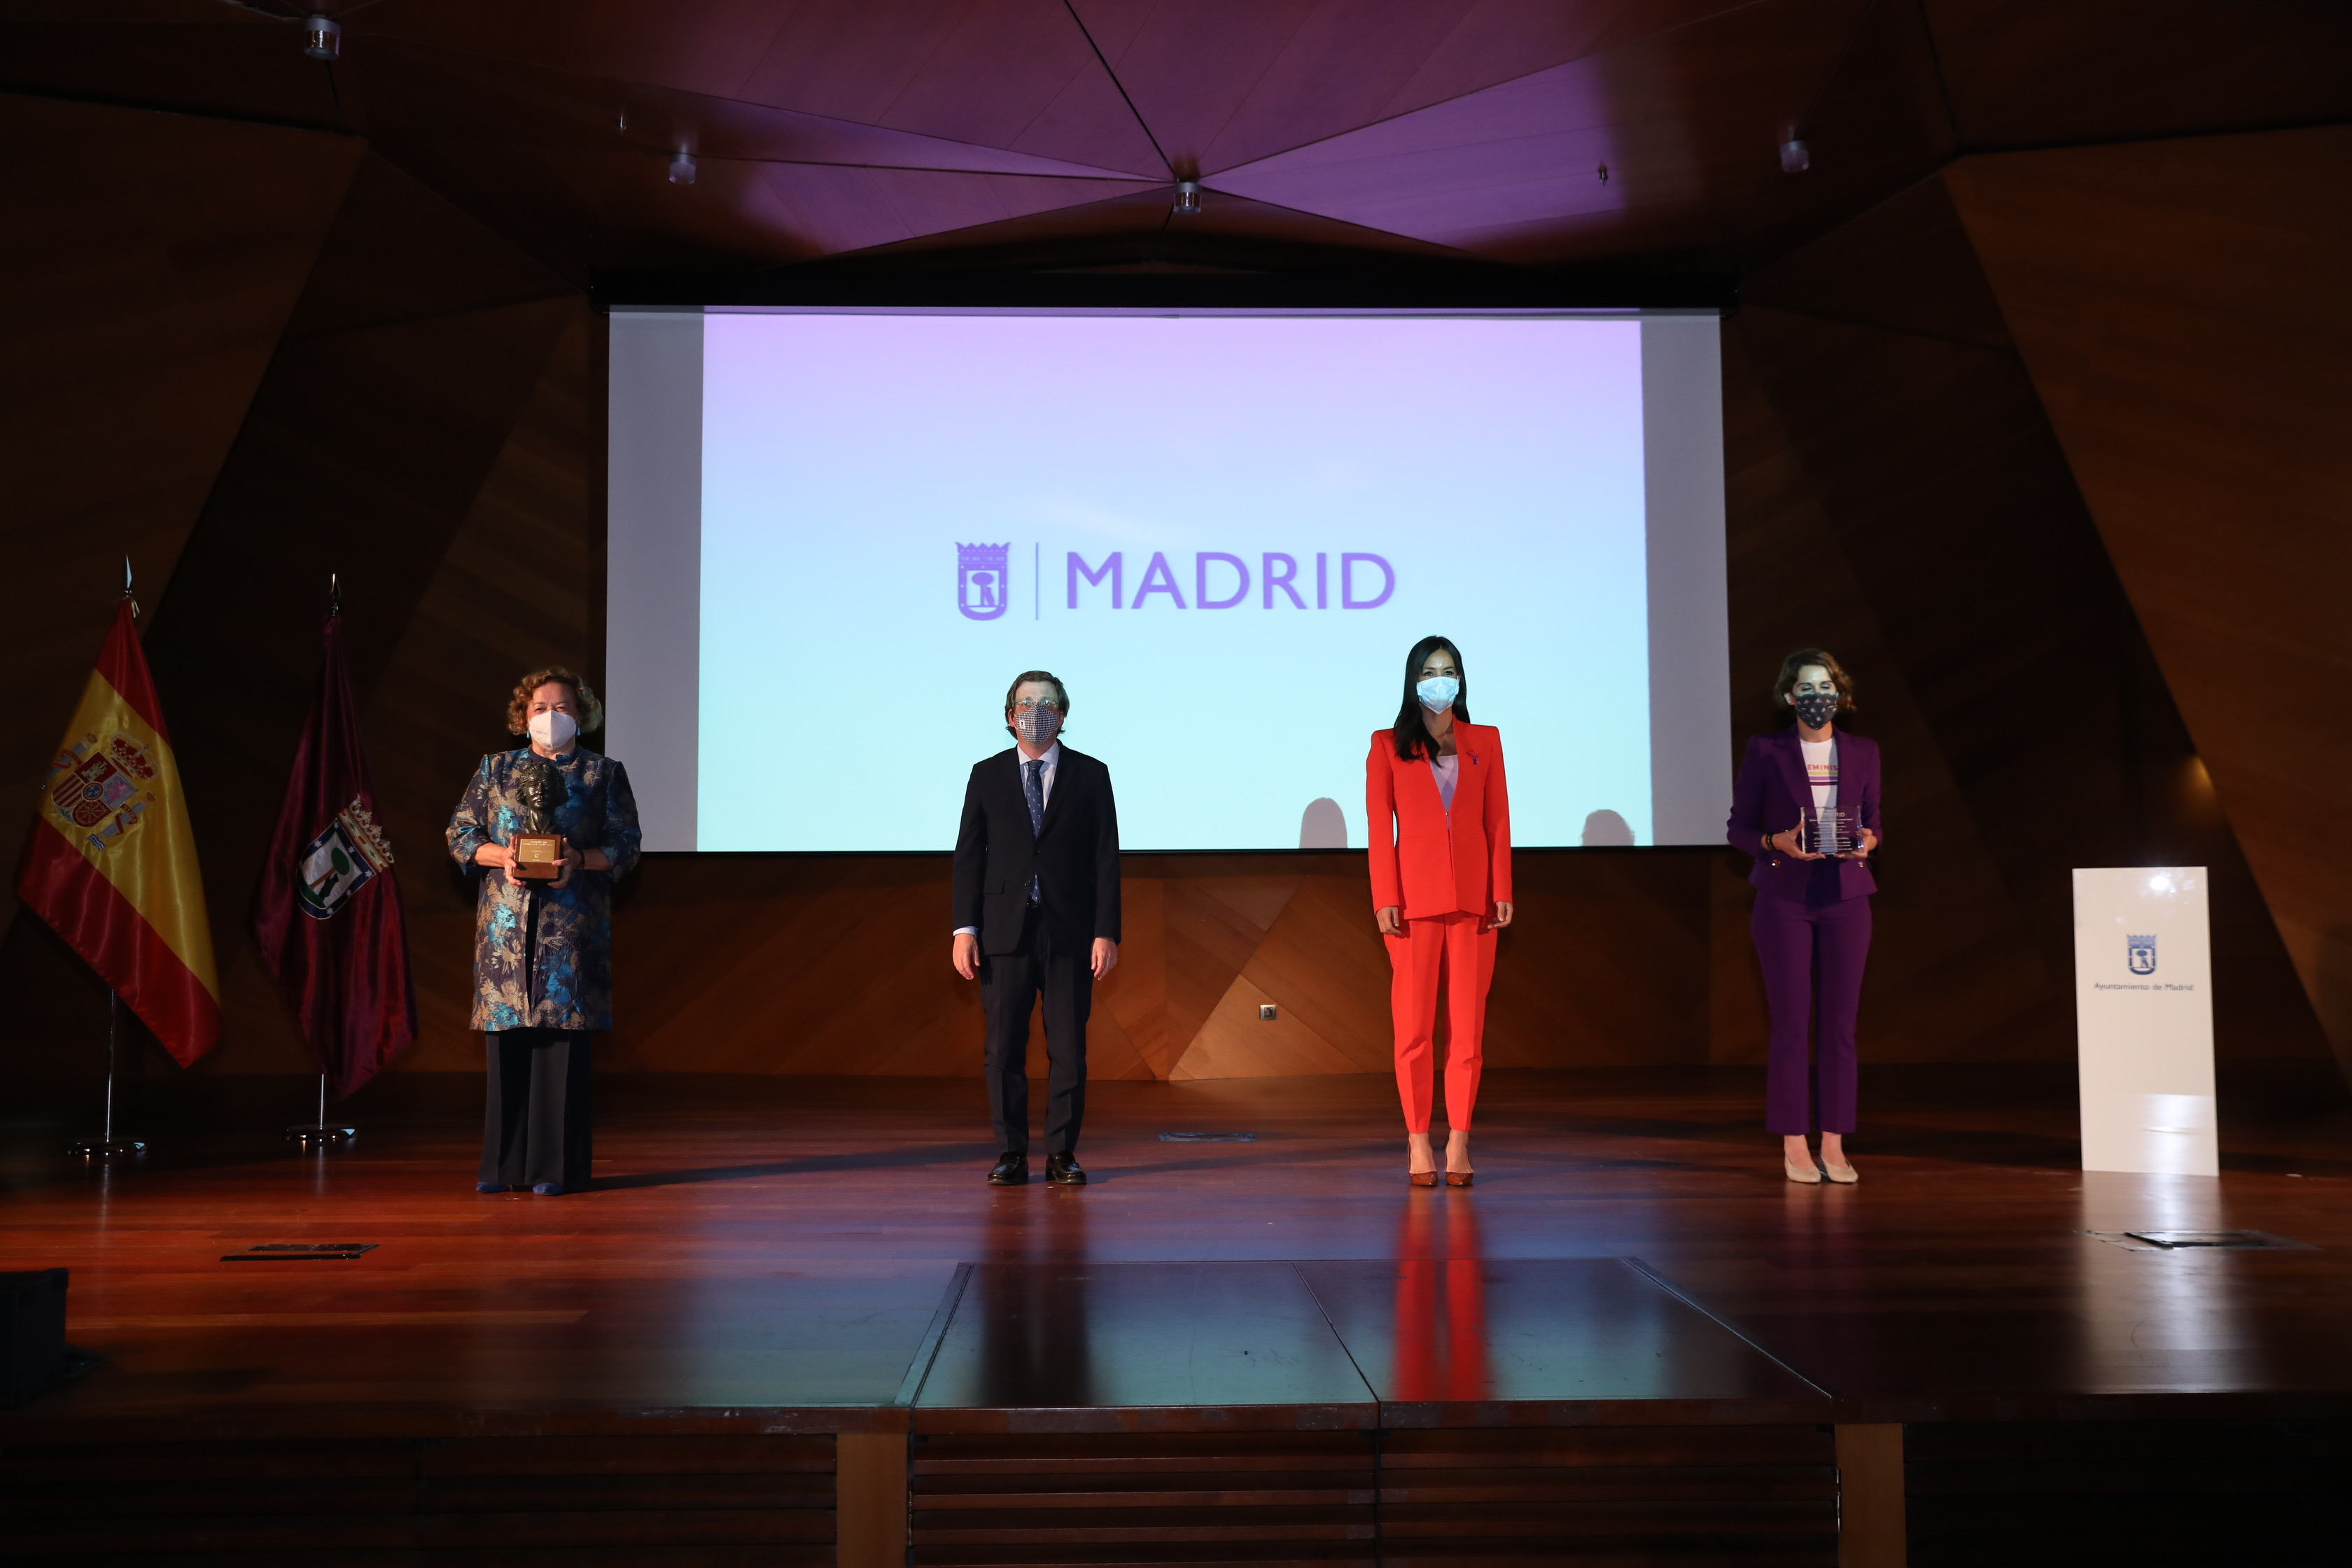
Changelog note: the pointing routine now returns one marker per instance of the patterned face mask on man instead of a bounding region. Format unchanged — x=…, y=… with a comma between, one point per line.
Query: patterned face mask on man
x=1815, y=709
x=1037, y=725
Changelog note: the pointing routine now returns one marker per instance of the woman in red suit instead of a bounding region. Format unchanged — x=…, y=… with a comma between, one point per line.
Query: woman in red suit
x=1440, y=827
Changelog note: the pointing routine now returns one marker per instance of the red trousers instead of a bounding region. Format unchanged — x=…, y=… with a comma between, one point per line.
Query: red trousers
x=1455, y=946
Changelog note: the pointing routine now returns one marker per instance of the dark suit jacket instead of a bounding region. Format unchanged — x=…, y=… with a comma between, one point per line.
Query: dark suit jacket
x=1771, y=795
x=1075, y=857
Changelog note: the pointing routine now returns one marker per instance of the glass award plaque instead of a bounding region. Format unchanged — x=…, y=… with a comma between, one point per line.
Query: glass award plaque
x=1832, y=830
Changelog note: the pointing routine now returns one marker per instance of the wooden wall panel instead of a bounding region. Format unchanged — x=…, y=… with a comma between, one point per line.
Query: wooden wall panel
x=1959, y=523
x=146, y=268
x=838, y=964
x=1948, y=976
x=2182, y=311
x=361, y=451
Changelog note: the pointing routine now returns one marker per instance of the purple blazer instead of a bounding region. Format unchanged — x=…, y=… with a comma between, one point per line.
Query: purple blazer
x=1770, y=796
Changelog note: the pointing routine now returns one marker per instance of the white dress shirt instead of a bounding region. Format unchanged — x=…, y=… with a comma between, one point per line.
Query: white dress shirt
x=1053, y=761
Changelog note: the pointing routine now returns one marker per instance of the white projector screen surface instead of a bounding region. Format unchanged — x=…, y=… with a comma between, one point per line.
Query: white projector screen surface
x=836, y=537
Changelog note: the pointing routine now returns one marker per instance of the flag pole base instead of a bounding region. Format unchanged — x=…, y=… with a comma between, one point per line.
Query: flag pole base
x=319, y=1137
x=106, y=1148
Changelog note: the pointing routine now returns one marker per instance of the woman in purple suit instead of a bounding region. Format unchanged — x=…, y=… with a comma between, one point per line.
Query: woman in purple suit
x=1811, y=922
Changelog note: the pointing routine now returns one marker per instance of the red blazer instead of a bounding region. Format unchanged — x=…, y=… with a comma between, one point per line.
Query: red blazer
x=1429, y=861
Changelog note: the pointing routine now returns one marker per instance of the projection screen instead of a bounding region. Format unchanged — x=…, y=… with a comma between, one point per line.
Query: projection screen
x=835, y=537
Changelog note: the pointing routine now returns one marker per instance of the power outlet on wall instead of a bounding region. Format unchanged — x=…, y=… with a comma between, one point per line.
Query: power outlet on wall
x=1265, y=1012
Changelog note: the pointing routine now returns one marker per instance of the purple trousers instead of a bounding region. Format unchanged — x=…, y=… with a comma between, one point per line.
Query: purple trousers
x=1813, y=956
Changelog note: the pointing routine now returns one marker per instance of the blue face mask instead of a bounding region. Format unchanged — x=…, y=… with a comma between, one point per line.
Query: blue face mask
x=1437, y=693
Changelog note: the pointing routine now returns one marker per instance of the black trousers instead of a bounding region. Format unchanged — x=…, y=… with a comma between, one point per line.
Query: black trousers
x=535, y=1121
x=1010, y=985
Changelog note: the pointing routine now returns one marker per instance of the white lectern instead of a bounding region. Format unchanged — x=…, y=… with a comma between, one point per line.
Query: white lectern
x=2143, y=1020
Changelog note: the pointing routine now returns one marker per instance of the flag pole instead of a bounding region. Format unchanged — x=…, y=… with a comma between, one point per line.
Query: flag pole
x=319, y=1134
x=106, y=1145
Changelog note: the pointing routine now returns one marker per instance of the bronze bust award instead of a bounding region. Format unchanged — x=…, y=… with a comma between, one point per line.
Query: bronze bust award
x=539, y=848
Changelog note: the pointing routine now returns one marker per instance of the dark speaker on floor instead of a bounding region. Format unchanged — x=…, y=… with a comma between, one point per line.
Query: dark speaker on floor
x=32, y=1334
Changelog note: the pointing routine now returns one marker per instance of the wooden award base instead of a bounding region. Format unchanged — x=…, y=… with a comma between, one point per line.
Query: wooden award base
x=538, y=856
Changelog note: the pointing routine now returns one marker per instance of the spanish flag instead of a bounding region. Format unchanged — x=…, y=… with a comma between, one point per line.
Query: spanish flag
x=110, y=863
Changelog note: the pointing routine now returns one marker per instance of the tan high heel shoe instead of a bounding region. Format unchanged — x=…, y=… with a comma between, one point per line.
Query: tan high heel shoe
x=1809, y=1174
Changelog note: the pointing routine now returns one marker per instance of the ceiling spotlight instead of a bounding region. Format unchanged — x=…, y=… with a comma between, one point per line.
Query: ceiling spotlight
x=681, y=169
x=1795, y=156
x=1188, y=199
x=323, y=39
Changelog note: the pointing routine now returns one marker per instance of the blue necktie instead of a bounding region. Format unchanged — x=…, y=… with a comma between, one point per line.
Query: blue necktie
x=1032, y=784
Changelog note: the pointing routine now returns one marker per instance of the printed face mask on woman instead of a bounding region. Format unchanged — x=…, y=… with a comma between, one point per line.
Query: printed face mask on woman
x=1037, y=725
x=1437, y=693
x=553, y=729
x=1815, y=709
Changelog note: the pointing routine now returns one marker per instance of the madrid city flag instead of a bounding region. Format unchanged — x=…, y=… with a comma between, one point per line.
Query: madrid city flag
x=327, y=911
x=110, y=863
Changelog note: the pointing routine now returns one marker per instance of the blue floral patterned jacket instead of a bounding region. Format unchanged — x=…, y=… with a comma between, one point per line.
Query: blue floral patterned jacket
x=543, y=955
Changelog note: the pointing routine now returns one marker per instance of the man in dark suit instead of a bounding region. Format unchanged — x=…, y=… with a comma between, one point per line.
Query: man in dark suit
x=1037, y=913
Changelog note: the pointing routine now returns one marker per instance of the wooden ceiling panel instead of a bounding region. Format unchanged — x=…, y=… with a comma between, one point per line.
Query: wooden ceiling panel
x=1223, y=86
x=411, y=91
x=2025, y=72
x=615, y=209
x=1136, y=232
x=1475, y=125
x=704, y=46
x=209, y=67
x=1016, y=74
x=1686, y=124
x=1880, y=126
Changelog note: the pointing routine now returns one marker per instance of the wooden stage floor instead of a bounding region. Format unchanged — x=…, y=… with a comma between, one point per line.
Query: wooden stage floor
x=772, y=1283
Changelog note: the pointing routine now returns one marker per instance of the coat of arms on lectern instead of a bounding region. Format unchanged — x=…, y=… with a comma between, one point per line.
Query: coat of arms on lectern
x=980, y=580
x=2142, y=951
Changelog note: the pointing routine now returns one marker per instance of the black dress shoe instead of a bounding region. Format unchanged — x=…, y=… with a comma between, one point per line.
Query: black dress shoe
x=1062, y=1170
x=1012, y=1171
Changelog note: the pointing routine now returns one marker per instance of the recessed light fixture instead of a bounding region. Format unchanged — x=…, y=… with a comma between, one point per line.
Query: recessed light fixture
x=323, y=39
x=1795, y=156
x=681, y=169
x=1188, y=199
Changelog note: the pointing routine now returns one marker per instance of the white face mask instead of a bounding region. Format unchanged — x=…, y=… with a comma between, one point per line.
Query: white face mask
x=1437, y=692
x=553, y=730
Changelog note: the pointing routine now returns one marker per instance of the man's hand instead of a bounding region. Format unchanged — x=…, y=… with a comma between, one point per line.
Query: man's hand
x=1105, y=956
x=967, y=955
x=1390, y=919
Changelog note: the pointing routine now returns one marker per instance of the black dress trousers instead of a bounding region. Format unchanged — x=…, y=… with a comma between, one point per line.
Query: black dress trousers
x=1010, y=985
x=536, y=1121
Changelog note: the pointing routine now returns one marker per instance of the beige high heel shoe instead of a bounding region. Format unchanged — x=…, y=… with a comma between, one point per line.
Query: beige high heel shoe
x=1809, y=1174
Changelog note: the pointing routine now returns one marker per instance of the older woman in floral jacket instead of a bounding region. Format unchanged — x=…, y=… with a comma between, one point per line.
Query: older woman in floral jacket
x=543, y=948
